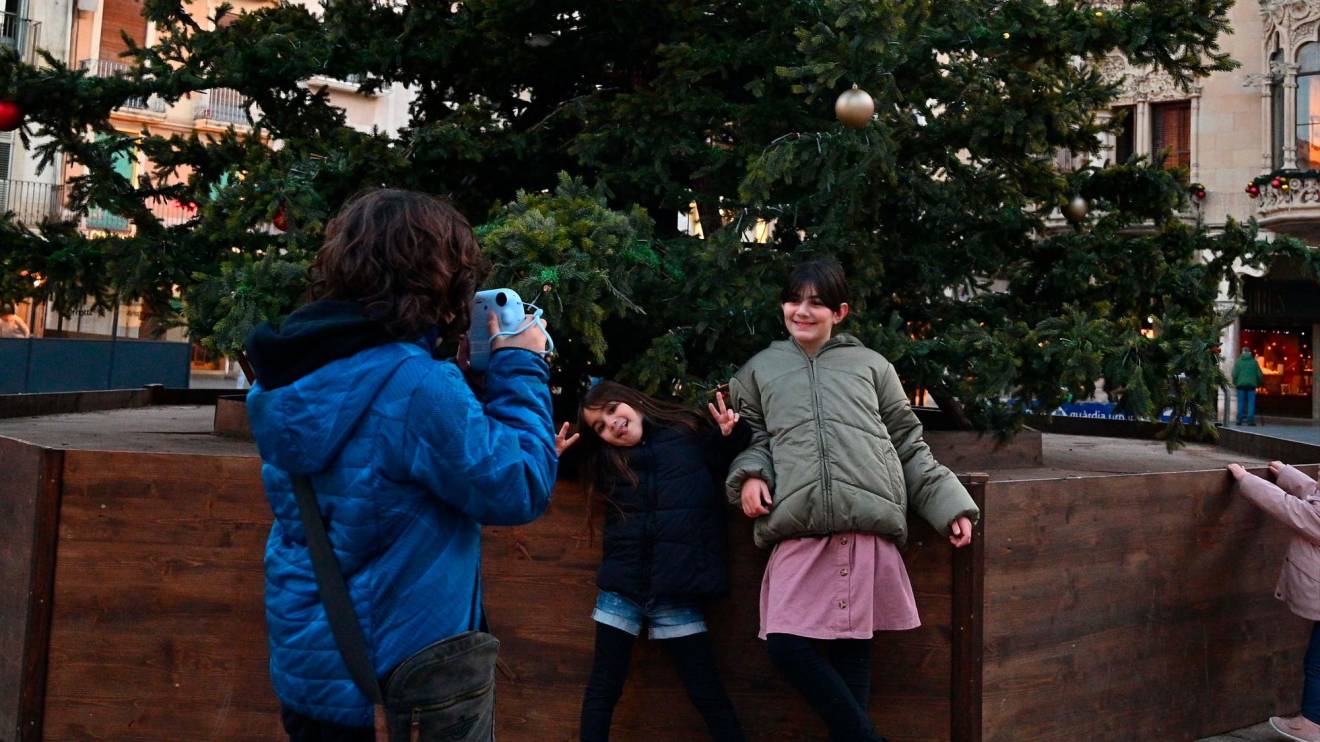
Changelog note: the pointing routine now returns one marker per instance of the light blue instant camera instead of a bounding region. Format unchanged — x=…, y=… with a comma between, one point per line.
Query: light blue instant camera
x=511, y=311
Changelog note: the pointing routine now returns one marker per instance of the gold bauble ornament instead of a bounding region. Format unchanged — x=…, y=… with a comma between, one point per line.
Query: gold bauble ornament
x=1076, y=209
x=854, y=108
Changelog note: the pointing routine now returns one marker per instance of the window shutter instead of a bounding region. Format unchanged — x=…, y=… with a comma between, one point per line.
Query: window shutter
x=1172, y=130
x=6, y=146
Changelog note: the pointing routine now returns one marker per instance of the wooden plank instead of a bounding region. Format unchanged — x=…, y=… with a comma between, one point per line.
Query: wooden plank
x=29, y=510
x=19, y=489
x=1133, y=607
x=968, y=627
x=1268, y=447
x=159, y=628
x=231, y=418
x=65, y=403
x=41, y=596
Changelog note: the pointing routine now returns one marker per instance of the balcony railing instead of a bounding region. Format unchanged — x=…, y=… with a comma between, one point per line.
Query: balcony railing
x=1292, y=207
x=31, y=202
x=221, y=104
x=108, y=68
x=20, y=34
x=170, y=213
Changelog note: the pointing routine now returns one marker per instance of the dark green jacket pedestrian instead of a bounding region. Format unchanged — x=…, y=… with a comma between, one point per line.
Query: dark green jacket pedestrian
x=1246, y=372
x=837, y=442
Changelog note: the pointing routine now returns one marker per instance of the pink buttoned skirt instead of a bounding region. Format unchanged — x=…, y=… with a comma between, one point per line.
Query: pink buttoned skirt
x=845, y=586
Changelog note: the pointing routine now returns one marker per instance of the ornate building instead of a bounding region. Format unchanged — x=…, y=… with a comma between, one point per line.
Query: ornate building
x=90, y=34
x=1258, y=124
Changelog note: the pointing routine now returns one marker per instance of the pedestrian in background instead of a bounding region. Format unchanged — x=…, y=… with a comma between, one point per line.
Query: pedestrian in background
x=1246, y=377
x=12, y=325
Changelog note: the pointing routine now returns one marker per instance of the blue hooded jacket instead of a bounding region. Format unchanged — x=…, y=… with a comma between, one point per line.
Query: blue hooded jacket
x=407, y=465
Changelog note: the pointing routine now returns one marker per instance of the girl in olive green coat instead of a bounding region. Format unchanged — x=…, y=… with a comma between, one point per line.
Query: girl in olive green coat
x=836, y=459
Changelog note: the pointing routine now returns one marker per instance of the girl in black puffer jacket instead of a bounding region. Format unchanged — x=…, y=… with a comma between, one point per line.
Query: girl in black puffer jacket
x=653, y=470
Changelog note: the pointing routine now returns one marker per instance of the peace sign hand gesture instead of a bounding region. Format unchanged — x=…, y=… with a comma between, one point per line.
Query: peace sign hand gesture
x=563, y=440
x=725, y=417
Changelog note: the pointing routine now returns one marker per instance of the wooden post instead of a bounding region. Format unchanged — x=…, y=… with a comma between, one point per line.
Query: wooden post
x=41, y=589
x=969, y=623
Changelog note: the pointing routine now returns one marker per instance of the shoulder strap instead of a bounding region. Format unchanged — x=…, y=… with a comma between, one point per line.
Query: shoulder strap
x=334, y=594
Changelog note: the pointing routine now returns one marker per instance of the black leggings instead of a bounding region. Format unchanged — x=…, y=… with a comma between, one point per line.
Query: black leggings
x=837, y=684
x=695, y=662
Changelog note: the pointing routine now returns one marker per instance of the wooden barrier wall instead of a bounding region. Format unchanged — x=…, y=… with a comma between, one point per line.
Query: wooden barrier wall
x=158, y=633
x=1134, y=608
x=1116, y=608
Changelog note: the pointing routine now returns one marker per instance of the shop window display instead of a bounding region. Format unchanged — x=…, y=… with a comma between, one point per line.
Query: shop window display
x=1284, y=355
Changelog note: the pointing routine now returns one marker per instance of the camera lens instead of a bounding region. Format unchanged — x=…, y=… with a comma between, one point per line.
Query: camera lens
x=501, y=299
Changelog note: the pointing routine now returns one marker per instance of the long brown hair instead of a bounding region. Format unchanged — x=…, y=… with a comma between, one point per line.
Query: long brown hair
x=409, y=259
x=602, y=465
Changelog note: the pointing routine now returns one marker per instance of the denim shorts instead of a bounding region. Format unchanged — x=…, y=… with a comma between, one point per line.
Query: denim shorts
x=664, y=618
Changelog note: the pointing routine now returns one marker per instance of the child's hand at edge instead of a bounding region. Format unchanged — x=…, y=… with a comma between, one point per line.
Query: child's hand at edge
x=1238, y=472
x=755, y=497
x=563, y=440
x=960, y=531
x=1276, y=467
x=724, y=417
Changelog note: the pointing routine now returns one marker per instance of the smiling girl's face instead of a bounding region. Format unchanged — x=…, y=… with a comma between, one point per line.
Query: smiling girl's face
x=616, y=423
x=809, y=321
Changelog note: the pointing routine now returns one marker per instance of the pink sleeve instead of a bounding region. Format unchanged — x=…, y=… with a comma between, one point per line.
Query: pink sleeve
x=1295, y=483
x=1302, y=516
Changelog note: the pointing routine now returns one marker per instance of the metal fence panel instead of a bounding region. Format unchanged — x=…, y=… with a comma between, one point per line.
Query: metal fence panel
x=138, y=363
x=60, y=365
x=14, y=354
x=39, y=365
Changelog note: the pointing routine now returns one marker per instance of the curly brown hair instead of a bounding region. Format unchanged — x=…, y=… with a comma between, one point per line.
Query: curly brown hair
x=409, y=259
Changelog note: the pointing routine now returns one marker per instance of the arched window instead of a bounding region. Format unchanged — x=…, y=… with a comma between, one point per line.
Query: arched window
x=1276, y=109
x=1308, y=106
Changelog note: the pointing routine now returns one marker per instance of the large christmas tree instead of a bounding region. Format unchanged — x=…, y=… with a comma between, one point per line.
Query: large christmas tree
x=937, y=207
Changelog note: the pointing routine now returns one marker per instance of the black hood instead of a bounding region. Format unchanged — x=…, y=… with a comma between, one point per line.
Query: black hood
x=313, y=336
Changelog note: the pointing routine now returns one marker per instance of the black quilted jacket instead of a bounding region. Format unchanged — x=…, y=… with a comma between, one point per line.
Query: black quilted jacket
x=665, y=536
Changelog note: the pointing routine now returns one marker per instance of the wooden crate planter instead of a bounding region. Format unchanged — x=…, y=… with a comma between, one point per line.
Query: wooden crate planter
x=1099, y=608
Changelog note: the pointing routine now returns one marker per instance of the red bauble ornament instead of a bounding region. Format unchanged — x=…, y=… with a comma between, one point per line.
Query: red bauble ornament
x=1253, y=191
x=1200, y=195
x=1277, y=182
x=11, y=116
x=281, y=220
